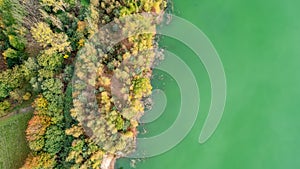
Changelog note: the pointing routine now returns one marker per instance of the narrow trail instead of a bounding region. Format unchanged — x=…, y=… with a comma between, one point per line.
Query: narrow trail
x=15, y=112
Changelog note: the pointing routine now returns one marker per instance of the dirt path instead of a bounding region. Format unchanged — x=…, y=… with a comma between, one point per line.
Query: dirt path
x=19, y=111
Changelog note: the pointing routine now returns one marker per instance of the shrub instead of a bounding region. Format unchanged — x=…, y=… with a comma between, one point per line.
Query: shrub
x=5, y=105
x=10, y=54
x=26, y=96
x=3, y=91
x=16, y=95
x=17, y=42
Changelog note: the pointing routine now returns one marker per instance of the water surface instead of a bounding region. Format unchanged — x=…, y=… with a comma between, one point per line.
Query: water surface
x=258, y=42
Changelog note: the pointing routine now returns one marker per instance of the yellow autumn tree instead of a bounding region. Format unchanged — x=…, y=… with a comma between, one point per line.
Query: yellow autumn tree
x=75, y=131
x=55, y=4
x=142, y=87
x=43, y=160
x=52, y=42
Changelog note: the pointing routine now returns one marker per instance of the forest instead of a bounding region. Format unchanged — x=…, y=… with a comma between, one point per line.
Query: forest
x=51, y=52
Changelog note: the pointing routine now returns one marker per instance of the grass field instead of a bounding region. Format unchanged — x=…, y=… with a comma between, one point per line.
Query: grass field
x=13, y=147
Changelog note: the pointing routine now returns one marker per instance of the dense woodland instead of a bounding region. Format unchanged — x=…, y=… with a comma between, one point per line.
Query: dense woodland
x=40, y=40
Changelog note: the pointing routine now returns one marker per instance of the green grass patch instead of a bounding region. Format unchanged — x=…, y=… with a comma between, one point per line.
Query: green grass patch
x=13, y=146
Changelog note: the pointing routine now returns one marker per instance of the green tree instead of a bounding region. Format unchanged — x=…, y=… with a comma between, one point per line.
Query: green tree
x=54, y=139
x=52, y=85
x=50, y=62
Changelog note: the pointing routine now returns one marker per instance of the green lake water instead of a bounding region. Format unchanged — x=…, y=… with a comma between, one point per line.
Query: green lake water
x=259, y=44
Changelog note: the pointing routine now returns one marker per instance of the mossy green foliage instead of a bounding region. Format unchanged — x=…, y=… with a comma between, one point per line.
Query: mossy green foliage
x=13, y=146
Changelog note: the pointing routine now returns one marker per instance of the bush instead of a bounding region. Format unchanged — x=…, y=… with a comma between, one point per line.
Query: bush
x=26, y=96
x=3, y=91
x=16, y=95
x=5, y=105
x=10, y=53
x=16, y=42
